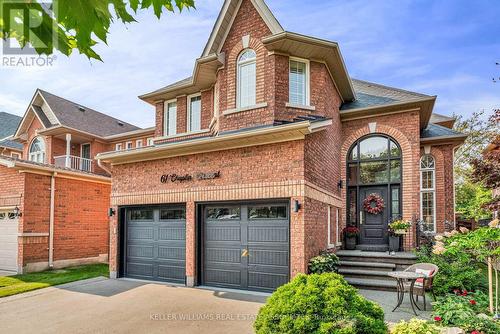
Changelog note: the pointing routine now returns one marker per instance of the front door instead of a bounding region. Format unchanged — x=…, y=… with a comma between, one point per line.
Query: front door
x=373, y=227
x=85, y=162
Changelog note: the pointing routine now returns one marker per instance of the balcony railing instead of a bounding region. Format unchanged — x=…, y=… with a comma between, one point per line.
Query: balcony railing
x=74, y=162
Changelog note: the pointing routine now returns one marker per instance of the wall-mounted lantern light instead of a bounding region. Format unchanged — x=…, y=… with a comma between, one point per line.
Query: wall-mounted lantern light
x=17, y=212
x=296, y=206
x=340, y=185
x=111, y=212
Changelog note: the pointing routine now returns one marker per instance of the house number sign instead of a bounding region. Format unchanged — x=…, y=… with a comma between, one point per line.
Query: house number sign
x=165, y=178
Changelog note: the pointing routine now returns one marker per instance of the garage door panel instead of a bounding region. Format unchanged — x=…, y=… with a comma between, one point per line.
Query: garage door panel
x=172, y=253
x=268, y=257
x=8, y=241
x=266, y=280
x=268, y=234
x=223, y=277
x=248, y=252
x=138, y=251
x=223, y=255
x=156, y=249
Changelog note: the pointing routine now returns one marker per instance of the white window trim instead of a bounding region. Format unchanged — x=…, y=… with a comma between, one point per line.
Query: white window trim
x=329, y=222
x=428, y=190
x=131, y=145
x=43, y=153
x=337, y=236
x=188, y=109
x=138, y=143
x=81, y=149
x=119, y=147
x=150, y=141
x=165, y=117
x=307, y=80
x=238, y=84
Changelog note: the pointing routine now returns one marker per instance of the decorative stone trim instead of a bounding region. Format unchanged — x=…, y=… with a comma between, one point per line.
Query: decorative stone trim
x=300, y=106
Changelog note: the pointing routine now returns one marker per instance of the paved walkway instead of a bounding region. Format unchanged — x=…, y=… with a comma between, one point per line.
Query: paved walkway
x=388, y=300
x=6, y=273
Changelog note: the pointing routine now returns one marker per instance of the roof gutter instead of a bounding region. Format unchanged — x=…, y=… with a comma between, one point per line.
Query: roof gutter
x=449, y=138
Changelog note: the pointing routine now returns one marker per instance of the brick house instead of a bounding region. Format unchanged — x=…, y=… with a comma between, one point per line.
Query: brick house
x=54, y=198
x=264, y=154
x=8, y=126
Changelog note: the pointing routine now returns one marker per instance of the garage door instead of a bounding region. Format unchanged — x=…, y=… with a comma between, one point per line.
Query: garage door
x=8, y=241
x=155, y=246
x=246, y=246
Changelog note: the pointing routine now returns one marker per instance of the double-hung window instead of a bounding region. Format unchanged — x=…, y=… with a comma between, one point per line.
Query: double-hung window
x=170, y=119
x=194, y=113
x=299, y=82
x=428, y=192
x=246, y=81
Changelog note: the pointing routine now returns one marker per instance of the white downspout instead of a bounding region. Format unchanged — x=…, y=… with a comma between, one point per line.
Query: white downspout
x=51, y=219
x=100, y=164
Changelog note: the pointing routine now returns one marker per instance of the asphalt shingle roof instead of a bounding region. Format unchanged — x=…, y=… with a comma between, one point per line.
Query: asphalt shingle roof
x=8, y=124
x=369, y=94
x=85, y=119
x=435, y=130
x=11, y=144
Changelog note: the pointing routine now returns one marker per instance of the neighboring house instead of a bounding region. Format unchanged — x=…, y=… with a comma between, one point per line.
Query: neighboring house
x=8, y=125
x=265, y=154
x=494, y=146
x=54, y=202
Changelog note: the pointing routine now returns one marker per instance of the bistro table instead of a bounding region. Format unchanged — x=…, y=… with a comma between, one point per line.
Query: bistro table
x=401, y=277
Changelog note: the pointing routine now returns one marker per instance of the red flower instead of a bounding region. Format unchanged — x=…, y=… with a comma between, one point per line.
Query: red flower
x=464, y=293
x=456, y=291
x=438, y=318
x=475, y=332
x=472, y=302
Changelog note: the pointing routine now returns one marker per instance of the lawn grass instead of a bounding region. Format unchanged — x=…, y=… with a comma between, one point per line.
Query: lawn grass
x=12, y=285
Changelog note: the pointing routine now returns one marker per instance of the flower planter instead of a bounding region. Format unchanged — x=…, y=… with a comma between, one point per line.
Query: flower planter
x=394, y=243
x=400, y=232
x=350, y=243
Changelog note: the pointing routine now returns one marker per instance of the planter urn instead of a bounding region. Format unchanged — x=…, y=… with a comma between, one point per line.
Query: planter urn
x=394, y=243
x=350, y=243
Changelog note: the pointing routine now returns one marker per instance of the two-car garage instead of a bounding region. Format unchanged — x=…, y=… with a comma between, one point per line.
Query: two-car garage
x=241, y=245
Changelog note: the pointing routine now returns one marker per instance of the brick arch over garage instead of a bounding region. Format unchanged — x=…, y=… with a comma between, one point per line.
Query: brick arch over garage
x=410, y=171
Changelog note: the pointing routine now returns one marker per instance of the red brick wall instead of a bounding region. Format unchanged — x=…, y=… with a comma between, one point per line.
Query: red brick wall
x=267, y=163
x=81, y=219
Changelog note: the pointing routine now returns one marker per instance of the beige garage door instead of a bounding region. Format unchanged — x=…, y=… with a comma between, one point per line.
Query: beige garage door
x=8, y=241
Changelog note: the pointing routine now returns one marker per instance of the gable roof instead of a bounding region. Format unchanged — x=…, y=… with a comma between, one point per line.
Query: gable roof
x=8, y=124
x=369, y=94
x=74, y=115
x=226, y=17
x=443, y=120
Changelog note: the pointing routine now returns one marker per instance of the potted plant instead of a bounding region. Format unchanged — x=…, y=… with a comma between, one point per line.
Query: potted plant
x=397, y=228
x=350, y=234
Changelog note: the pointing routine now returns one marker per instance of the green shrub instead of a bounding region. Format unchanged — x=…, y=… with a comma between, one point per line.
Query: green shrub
x=327, y=262
x=319, y=303
x=465, y=310
x=460, y=273
x=415, y=326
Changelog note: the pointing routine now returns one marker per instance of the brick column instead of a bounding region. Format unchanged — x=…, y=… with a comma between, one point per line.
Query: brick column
x=297, y=239
x=113, y=244
x=190, y=243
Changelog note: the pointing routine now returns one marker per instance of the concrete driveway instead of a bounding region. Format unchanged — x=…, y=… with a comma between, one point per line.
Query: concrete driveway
x=119, y=306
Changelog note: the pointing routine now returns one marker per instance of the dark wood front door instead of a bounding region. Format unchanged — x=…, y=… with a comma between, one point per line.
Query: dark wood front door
x=373, y=227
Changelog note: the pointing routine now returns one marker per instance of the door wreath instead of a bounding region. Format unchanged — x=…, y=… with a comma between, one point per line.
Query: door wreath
x=373, y=199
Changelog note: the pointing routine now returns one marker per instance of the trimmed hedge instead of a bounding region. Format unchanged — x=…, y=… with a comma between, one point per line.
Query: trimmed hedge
x=319, y=303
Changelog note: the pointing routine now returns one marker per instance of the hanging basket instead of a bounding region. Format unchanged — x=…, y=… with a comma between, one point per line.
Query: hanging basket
x=373, y=204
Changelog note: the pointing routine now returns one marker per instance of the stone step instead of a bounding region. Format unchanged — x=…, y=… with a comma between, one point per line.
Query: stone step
x=376, y=266
x=372, y=284
x=363, y=273
x=401, y=259
x=373, y=248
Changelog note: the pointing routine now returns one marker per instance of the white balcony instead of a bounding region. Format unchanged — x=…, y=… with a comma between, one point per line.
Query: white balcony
x=74, y=162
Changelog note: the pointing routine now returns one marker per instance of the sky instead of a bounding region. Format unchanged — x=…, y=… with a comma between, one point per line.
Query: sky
x=446, y=48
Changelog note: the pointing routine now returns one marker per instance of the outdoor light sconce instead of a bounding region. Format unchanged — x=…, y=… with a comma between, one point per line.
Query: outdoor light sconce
x=340, y=185
x=111, y=212
x=17, y=212
x=296, y=206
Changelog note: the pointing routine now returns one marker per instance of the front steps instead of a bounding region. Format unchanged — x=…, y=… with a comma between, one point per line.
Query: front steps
x=368, y=270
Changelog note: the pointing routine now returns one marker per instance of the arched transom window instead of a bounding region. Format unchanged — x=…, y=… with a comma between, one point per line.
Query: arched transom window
x=246, y=79
x=37, y=150
x=428, y=192
x=374, y=163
